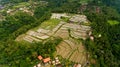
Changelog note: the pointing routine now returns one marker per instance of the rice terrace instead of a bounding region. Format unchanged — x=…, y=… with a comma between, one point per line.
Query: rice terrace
x=72, y=32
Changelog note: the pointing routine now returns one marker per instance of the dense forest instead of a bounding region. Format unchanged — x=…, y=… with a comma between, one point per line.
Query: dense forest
x=105, y=49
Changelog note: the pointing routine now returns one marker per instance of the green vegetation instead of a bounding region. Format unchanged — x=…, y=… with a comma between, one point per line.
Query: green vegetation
x=86, y=23
x=85, y=1
x=40, y=11
x=25, y=54
x=23, y=4
x=66, y=62
x=104, y=16
x=103, y=47
x=66, y=19
x=113, y=22
x=50, y=24
x=14, y=22
x=12, y=1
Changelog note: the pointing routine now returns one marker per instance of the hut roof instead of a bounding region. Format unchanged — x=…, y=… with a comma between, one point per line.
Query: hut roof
x=46, y=60
x=40, y=57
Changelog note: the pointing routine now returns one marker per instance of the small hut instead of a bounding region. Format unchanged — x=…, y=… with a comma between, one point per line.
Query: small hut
x=46, y=60
x=40, y=57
